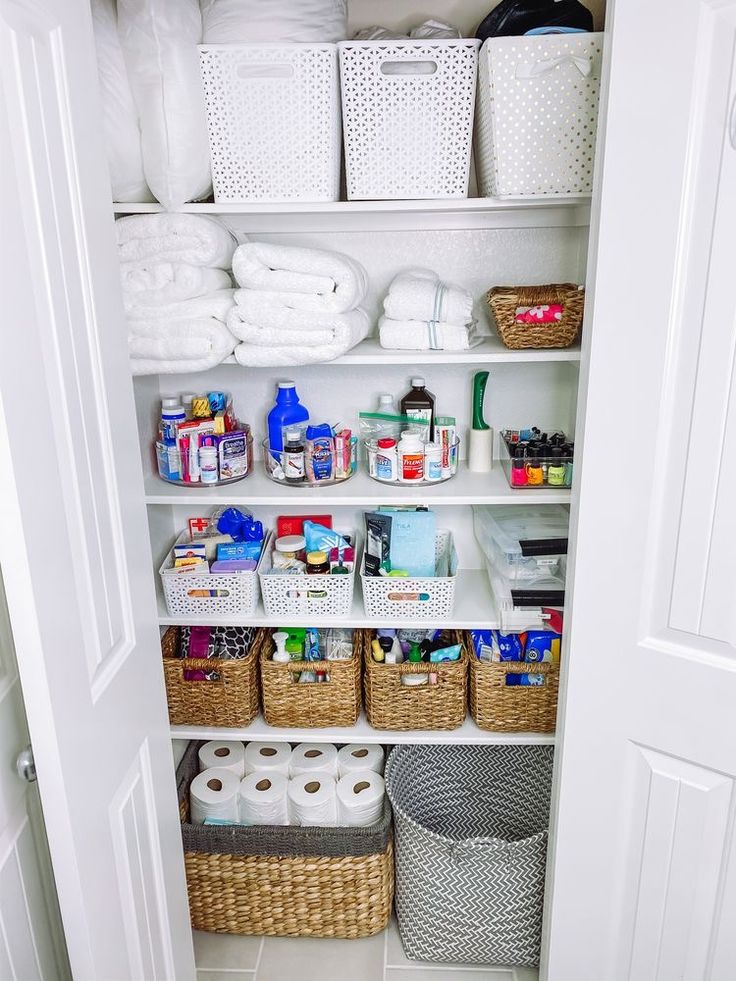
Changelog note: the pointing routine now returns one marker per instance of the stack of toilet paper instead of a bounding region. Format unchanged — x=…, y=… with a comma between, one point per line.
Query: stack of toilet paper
x=269, y=783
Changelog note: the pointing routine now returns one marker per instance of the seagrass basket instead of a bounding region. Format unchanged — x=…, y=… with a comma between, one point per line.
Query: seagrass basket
x=230, y=700
x=390, y=704
x=499, y=707
x=504, y=301
x=285, y=881
x=286, y=702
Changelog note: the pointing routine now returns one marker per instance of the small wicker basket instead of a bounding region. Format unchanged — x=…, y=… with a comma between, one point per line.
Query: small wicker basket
x=285, y=881
x=504, y=300
x=389, y=704
x=230, y=701
x=287, y=703
x=498, y=707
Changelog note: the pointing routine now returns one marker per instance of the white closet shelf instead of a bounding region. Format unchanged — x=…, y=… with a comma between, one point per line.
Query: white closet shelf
x=553, y=211
x=489, y=351
x=362, y=732
x=474, y=607
x=464, y=488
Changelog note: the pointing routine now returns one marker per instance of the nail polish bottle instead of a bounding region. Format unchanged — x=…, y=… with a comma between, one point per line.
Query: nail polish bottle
x=568, y=450
x=518, y=467
x=557, y=469
x=534, y=475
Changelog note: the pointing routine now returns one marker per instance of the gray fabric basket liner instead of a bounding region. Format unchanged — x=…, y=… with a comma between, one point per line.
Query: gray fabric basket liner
x=273, y=840
x=471, y=843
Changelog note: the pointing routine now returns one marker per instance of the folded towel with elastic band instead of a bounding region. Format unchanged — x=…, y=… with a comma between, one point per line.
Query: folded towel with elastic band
x=196, y=239
x=419, y=294
x=154, y=283
x=421, y=335
x=177, y=346
x=299, y=278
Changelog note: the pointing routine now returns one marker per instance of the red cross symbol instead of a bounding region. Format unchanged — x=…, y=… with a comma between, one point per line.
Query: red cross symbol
x=197, y=526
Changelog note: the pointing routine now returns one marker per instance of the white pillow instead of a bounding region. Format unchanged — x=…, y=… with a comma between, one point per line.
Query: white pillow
x=316, y=21
x=119, y=115
x=159, y=39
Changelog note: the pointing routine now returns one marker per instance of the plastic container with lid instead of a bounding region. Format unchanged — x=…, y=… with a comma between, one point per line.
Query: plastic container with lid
x=432, y=461
x=411, y=458
x=386, y=462
x=172, y=413
x=527, y=543
x=317, y=564
x=291, y=544
x=208, y=470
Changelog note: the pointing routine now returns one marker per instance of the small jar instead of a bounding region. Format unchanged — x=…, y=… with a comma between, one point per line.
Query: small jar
x=432, y=461
x=317, y=564
x=292, y=545
x=208, y=464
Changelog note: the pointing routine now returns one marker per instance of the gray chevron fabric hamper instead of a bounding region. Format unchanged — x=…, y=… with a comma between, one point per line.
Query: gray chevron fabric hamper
x=471, y=842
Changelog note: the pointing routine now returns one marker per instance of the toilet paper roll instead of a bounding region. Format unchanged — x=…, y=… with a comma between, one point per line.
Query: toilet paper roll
x=315, y=758
x=271, y=757
x=360, y=799
x=359, y=756
x=262, y=799
x=214, y=794
x=313, y=800
x=223, y=754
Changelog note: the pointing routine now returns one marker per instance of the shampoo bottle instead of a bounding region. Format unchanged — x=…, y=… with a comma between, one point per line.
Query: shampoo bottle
x=287, y=411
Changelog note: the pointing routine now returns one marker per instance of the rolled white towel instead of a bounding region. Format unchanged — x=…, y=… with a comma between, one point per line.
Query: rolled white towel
x=154, y=283
x=265, y=346
x=216, y=304
x=303, y=279
x=177, y=346
x=418, y=335
x=196, y=239
x=419, y=294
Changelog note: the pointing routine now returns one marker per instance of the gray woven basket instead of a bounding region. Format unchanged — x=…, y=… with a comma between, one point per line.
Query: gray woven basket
x=471, y=842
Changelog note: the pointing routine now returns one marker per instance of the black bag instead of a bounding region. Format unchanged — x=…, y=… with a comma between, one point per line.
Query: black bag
x=519, y=16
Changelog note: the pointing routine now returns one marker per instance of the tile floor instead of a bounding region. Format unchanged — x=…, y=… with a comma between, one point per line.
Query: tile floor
x=381, y=958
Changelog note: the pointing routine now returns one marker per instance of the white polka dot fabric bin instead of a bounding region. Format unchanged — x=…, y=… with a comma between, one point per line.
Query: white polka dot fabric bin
x=537, y=114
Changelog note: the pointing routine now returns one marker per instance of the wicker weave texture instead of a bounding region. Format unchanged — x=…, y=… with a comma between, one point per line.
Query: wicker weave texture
x=503, y=301
x=303, y=892
x=498, y=707
x=335, y=702
x=230, y=701
x=390, y=704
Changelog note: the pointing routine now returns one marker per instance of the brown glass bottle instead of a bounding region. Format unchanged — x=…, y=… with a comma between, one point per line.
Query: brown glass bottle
x=419, y=404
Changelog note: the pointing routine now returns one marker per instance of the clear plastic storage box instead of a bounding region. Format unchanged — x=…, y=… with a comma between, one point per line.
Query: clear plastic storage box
x=524, y=544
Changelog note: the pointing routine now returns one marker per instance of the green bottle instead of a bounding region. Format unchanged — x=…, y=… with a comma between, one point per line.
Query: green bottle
x=415, y=654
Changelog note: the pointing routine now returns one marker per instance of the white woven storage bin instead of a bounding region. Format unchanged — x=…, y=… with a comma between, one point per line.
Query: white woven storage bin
x=273, y=118
x=408, y=135
x=385, y=596
x=537, y=114
x=241, y=589
x=289, y=596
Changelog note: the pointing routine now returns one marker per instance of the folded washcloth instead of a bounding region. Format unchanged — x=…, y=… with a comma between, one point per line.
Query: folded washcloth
x=196, y=239
x=216, y=304
x=177, y=346
x=154, y=283
x=419, y=294
x=292, y=344
x=303, y=279
x=420, y=335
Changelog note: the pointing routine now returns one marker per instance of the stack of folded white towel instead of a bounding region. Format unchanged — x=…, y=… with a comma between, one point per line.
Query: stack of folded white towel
x=421, y=313
x=296, y=305
x=176, y=290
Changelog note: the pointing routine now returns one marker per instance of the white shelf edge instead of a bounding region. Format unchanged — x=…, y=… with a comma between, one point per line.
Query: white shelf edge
x=257, y=489
x=474, y=607
x=489, y=351
x=362, y=732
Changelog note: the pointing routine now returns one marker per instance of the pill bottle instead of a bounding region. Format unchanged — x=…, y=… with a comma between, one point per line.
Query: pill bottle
x=386, y=460
x=411, y=458
x=432, y=461
x=208, y=464
x=317, y=564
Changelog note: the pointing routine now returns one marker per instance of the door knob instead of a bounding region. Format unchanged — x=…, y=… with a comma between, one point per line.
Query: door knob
x=25, y=765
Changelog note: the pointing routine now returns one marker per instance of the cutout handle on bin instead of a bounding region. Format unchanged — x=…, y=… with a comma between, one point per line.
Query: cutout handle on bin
x=408, y=67
x=409, y=597
x=207, y=593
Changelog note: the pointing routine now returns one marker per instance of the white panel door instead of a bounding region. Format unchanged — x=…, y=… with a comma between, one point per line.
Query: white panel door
x=643, y=868
x=74, y=539
x=31, y=942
